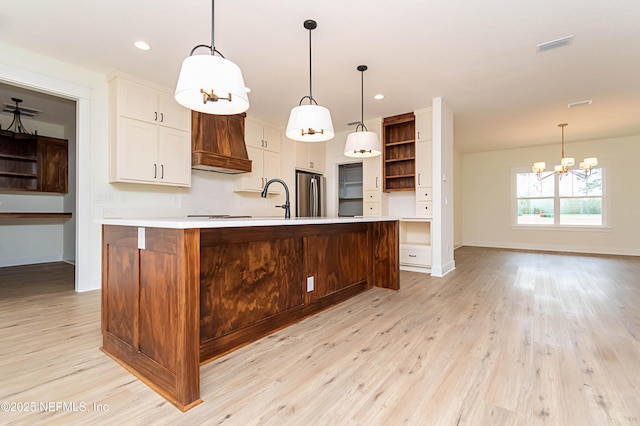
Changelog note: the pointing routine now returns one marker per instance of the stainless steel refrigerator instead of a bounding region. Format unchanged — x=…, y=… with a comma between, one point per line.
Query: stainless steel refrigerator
x=310, y=195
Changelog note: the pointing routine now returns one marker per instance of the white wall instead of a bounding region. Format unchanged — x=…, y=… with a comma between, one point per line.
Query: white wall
x=487, y=199
x=458, y=208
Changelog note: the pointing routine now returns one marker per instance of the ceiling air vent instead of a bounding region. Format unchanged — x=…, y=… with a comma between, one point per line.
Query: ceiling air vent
x=542, y=47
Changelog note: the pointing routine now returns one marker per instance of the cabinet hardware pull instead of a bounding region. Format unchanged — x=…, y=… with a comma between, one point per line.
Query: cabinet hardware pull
x=162, y=117
x=413, y=255
x=419, y=179
x=156, y=116
x=418, y=134
x=376, y=181
x=262, y=143
x=155, y=170
x=426, y=207
x=162, y=171
x=266, y=144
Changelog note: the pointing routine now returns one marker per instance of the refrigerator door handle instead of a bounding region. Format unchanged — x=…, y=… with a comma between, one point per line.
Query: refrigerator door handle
x=314, y=196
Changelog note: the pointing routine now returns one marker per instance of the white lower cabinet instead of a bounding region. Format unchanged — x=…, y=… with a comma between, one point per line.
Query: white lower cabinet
x=415, y=245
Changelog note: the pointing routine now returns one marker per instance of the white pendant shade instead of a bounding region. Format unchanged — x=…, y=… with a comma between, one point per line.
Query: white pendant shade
x=211, y=73
x=362, y=145
x=310, y=123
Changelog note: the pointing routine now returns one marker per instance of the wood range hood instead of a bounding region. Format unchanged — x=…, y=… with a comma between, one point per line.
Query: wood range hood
x=217, y=143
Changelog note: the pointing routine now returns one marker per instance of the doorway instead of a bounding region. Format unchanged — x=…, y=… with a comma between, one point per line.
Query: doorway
x=40, y=240
x=350, y=190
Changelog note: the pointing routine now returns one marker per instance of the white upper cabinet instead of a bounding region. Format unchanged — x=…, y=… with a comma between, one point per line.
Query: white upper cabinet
x=263, y=146
x=310, y=156
x=150, y=136
x=424, y=124
x=145, y=104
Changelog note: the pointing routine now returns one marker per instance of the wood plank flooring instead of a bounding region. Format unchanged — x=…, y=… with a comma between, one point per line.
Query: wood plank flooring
x=508, y=338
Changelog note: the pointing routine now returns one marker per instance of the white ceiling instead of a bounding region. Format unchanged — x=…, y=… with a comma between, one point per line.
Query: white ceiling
x=479, y=56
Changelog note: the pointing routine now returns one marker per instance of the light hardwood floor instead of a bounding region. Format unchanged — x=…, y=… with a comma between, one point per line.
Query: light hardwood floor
x=508, y=338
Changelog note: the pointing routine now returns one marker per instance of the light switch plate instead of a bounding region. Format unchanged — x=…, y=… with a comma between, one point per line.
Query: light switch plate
x=310, y=284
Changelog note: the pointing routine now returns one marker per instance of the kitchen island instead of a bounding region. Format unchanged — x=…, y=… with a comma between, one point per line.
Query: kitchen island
x=177, y=293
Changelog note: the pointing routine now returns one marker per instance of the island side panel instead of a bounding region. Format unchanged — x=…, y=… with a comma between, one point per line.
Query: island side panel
x=154, y=292
x=385, y=254
x=337, y=258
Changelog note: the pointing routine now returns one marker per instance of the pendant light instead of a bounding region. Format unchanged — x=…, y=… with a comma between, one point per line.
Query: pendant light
x=211, y=84
x=16, y=125
x=363, y=143
x=310, y=123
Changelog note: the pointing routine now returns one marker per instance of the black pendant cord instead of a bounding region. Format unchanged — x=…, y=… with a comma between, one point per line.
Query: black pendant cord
x=310, y=80
x=362, y=69
x=212, y=47
x=362, y=98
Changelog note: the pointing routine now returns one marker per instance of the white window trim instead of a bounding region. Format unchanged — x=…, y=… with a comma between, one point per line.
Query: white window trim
x=606, y=204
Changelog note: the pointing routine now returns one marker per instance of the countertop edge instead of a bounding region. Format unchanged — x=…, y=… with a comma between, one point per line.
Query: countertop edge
x=193, y=223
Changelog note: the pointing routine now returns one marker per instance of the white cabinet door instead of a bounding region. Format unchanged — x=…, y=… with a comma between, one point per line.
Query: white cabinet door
x=424, y=125
x=136, y=101
x=172, y=114
x=271, y=137
x=174, y=157
x=372, y=173
x=310, y=156
x=424, y=166
x=138, y=151
x=253, y=181
x=253, y=135
x=272, y=170
x=263, y=146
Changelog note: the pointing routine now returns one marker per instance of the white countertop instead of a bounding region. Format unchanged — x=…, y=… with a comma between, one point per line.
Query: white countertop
x=203, y=222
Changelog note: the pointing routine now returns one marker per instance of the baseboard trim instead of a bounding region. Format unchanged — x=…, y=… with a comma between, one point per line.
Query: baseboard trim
x=557, y=248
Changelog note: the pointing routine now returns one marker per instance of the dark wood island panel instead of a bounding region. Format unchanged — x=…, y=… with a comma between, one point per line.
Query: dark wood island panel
x=192, y=295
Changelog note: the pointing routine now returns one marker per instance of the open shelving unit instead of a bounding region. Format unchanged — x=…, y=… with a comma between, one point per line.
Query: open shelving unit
x=399, y=153
x=33, y=163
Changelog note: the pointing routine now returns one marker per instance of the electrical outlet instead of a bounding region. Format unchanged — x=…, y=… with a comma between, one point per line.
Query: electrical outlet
x=310, y=284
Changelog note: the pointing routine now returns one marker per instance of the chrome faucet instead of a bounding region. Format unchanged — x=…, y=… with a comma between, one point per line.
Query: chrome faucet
x=286, y=205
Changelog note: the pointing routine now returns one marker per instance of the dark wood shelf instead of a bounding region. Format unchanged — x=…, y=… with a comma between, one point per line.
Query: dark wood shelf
x=19, y=175
x=35, y=215
x=393, y=160
x=18, y=157
x=400, y=176
x=400, y=142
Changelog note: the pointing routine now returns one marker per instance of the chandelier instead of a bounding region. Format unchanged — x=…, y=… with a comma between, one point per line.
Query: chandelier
x=565, y=164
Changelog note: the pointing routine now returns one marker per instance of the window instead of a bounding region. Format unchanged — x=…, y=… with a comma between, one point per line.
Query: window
x=570, y=200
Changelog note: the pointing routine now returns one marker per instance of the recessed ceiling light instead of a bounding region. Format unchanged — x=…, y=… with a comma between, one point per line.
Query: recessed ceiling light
x=579, y=103
x=379, y=96
x=142, y=45
x=554, y=43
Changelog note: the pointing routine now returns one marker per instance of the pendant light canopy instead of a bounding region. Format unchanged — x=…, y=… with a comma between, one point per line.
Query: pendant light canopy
x=363, y=143
x=310, y=123
x=211, y=84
